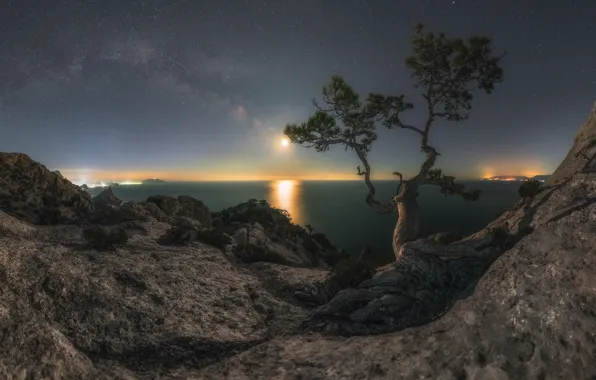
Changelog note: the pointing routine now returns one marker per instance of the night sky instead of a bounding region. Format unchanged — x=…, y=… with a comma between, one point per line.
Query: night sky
x=201, y=90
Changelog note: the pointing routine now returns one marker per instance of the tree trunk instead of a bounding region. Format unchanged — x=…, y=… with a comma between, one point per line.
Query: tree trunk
x=408, y=220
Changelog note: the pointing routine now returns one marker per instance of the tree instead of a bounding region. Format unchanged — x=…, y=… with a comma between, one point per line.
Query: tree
x=446, y=70
x=529, y=188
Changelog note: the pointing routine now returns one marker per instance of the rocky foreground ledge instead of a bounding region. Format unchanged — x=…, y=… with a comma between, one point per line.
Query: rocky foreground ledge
x=165, y=289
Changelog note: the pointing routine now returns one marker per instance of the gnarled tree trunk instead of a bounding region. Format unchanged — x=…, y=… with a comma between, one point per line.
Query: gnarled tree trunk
x=408, y=220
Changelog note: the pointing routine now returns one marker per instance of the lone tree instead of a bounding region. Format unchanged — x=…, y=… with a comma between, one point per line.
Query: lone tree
x=446, y=70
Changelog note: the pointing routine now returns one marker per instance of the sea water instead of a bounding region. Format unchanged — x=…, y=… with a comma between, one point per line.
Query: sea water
x=338, y=209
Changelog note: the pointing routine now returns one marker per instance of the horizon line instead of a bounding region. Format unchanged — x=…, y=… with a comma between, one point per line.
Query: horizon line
x=123, y=183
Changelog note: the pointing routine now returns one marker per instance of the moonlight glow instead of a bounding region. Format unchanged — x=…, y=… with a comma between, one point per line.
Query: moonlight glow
x=284, y=142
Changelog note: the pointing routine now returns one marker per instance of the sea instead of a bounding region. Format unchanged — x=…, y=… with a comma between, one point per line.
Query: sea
x=338, y=209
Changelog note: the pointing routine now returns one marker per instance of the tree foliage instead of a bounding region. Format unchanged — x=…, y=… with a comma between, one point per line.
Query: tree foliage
x=529, y=188
x=446, y=70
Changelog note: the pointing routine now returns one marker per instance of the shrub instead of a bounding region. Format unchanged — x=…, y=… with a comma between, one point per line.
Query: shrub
x=529, y=188
x=348, y=273
x=100, y=237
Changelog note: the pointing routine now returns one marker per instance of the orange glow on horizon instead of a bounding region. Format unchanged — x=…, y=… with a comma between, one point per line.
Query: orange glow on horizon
x=509, y=167
x=236, y=173
x=84, y=176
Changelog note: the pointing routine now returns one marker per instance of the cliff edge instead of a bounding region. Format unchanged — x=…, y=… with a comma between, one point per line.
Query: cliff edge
x=165, y=289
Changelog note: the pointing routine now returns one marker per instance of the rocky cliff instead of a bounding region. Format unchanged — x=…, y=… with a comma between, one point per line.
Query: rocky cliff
x=32, y=193
x=193, y=295
x=581, y=156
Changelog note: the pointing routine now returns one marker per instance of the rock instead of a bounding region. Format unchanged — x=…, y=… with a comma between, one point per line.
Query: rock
x=241, y=237
x=532, y=316
x=186, y=223
x=183, y=206
x=445, y=237
x=128, y=212
x=290, y=283
x=105, y=199
x=260, y=248
x=515, y=300
x=12, y=227
x=581, y=156
x=194, y=209
x=34, y=194
x=141, y=310
x=102, y=238
x=218, y=223
x=272, y=237
x=169, y=205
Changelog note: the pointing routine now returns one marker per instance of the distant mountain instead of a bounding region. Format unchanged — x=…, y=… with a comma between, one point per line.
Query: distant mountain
x=542, y=177
x=507, y=178
x=152, y=181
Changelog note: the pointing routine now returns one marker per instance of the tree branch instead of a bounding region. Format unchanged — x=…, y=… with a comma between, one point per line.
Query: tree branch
x=382, y=208
x=449, y=187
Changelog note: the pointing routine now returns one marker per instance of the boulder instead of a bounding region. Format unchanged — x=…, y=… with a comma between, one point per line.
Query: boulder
x=259, y=247
x=183, y=206
x=241, y=237
x=194, y=209
x=169, y=205
x=105, y=199
x=34, y=194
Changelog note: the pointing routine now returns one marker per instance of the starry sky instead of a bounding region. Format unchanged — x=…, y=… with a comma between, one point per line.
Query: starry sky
x=201, y=90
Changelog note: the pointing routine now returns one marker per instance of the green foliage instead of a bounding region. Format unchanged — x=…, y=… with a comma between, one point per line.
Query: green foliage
x=529, y=188
x=254, y=211
x=322, y=130
x=449, y=187
x=348, y=273
x=101, y=238
x=447, y=69
x=322, y=239
x=450, y=68
x=309, y=228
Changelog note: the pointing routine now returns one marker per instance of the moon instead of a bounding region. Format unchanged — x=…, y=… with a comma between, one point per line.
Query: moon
x=284, y=142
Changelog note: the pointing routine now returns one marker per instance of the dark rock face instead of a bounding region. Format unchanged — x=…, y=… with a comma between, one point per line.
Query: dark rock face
x=105, y=199
x=138, y=310
x=184, y=206
x=266, y=234
x=169, y=205
x=32, y=193
x=194, y=209
x=581, y=157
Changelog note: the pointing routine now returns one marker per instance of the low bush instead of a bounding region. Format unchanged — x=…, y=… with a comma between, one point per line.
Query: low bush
x=348, y=273
x=529, y=188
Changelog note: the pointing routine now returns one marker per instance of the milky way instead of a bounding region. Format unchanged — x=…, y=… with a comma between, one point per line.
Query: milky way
x=197, y=88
